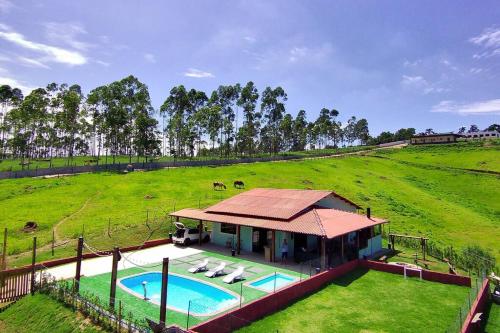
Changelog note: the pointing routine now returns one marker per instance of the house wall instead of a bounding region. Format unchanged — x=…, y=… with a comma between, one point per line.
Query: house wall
x=374, y=245
x=280, y=235
x=336, y=203
x=220, y=238
x=434, y=139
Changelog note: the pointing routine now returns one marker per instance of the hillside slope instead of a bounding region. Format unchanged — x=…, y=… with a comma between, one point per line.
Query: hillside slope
x=41, y=314
x=451, y=206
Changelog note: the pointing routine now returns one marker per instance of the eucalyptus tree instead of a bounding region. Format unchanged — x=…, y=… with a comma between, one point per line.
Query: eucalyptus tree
x=361, y=130
x=273, y=109
x=350, y=131
x=176, y=107
x=226, y=97
x=26, y=122
x=249, y=131
x=195, y=119
x=69, y=120
x=299, y=138
x=9, y=97
x=286, y=129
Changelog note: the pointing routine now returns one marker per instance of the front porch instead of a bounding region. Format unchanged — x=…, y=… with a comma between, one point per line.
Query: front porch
x=304, y=250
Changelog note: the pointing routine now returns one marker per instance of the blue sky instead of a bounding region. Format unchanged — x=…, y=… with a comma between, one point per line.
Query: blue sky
x=397, y=63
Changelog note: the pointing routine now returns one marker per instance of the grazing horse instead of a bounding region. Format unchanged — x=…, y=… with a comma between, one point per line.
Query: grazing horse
x=219, y=186
x=239, y=184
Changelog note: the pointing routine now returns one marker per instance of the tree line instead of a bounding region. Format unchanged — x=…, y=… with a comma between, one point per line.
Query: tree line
x=119, y=119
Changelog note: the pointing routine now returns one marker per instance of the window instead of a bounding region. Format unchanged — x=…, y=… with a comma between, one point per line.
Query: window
x=193, y=231
x=228, y=228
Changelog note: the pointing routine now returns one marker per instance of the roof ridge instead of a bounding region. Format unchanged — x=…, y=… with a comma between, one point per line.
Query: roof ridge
x=318, y=221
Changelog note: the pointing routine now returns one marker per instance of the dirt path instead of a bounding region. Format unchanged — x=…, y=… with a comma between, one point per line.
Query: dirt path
x=57, y=237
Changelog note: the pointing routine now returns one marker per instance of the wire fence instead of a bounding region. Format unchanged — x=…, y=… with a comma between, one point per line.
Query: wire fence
x=472, y=259
x=465, y=308
x=92, y=307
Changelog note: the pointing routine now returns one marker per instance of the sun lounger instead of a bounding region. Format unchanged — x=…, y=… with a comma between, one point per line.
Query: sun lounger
x=216, y=270
x=202, y=266
x=236, y=275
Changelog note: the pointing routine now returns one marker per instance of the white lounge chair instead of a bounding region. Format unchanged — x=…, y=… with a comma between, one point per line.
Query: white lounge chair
x=216, y=270
x=236, y=275
x=202, y=266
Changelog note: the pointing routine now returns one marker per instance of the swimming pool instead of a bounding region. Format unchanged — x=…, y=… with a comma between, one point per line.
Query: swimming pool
x=273, y=282
x=207, y=299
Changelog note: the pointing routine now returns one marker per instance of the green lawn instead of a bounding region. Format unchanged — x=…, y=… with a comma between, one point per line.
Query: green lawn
x=42, y=314
x=17, y=164
x=451, y=207
x=479, y=155
x=493, y=323
x=99, y=285
x=369, y=301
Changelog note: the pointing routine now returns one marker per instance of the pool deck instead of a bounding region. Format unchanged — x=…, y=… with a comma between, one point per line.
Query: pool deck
x=255, y=257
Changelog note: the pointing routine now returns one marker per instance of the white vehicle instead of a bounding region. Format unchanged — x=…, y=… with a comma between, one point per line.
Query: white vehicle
x=187, y=236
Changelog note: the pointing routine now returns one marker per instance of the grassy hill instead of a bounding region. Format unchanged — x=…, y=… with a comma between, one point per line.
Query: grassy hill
x=451, y=206
x=41, y=314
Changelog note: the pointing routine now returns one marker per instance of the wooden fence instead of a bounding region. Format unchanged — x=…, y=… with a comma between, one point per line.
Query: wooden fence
x=14, y=284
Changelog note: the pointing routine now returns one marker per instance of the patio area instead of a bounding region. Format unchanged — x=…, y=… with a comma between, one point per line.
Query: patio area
x=99, y=284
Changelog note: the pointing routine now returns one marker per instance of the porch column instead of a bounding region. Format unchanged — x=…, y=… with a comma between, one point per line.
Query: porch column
x=200, y=231
x=323, y=253
x=342, y=248
x=273, y=246
x=238, y=239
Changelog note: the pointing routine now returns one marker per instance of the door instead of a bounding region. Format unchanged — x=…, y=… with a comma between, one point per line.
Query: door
x=259, y=239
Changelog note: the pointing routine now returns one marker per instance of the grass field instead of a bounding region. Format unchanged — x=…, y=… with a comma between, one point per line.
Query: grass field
x=369, y=301
x=450, y=206
x=18, y=164
x=42, y=314
x=99, y=285
x=479, y=155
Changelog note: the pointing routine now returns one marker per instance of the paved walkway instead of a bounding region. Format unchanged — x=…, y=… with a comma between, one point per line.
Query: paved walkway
x=103, y=264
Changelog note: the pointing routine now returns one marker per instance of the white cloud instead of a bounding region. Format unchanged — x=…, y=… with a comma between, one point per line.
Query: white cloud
x=150, y=58
x=487, y=107
x=489, y=41
x=66, y=33
x=52, y=53
x=448, y=64
x=250, y=39
x=196, y=73
x=5, y=6
x=32, y=62
x=25, y=88
x=475, y=70
x=315, y=54
x=420, y=84
x=410, y=64
x=103, y=63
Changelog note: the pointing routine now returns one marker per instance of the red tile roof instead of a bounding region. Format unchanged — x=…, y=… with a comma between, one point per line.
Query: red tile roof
x=315, y=221
x=280, y=204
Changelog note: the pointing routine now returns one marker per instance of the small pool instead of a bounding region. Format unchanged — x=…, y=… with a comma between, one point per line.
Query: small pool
x=273, y=282
x=206, y=299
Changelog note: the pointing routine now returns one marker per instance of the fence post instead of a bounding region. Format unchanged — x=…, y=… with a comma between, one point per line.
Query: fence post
x=33, y=270
x=164, y=284
x=4, y=251
x=53, y=240
x=114, y=272
x=79, y=251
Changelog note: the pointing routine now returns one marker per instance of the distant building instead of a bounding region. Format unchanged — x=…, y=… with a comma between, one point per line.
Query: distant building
x=435, y=138
x=482, y=135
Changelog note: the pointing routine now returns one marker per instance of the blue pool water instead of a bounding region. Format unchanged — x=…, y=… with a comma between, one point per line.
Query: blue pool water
x=206, y=299
x=268, y=283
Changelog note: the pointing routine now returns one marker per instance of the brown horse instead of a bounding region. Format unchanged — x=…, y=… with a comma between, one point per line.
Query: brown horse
x=219, y=186
x=239, y=184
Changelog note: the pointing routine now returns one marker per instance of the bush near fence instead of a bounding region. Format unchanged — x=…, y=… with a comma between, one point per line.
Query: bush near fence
x=472, y=258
